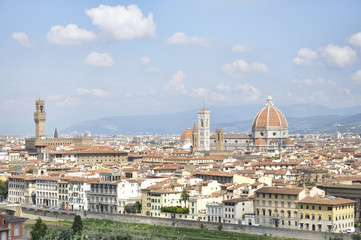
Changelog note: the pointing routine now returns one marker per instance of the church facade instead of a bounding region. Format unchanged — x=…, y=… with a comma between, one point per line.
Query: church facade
x=269, y=133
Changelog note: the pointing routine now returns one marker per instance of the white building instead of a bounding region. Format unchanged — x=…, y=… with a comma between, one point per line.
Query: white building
x=78, y=190
x=47, y=191
x=234, y=209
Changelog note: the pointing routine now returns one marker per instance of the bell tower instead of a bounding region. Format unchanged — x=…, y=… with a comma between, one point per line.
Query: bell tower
x=39, y=118
x=203, y=130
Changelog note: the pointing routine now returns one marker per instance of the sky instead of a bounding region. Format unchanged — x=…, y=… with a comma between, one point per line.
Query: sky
x=93, y=59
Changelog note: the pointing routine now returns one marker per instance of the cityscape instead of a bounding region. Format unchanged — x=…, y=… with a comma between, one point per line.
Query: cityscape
x=142, y=121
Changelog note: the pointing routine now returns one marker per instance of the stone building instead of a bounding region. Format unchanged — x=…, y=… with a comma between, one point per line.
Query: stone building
x=269, y=133
x=22, y=189
x=40, y=141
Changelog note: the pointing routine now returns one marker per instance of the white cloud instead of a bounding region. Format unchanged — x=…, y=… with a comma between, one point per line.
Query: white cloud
x=175, y=84
x=99, y=60
x=69, y=102
x=316, y=82
x=355, y=40
x=207, y=93
x=122, y=23
x=251, y=93
x=95, y=92
x=356, y=77
x=223, y=88
x=305, y=57
x=242, y=48
x=145, y=60
x=23, y=39
x=338, y=56
x=239, y=67
x=181, y=38
x=201, y=92
x=69, y=35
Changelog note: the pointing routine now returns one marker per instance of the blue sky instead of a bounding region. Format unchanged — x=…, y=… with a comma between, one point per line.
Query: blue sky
x=91, y=59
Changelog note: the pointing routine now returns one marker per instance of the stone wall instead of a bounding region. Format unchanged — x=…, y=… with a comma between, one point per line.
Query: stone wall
x=46, y=214
x=55, y=215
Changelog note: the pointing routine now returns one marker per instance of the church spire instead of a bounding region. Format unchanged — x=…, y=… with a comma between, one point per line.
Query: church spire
x=195, y=129
x=56, y=133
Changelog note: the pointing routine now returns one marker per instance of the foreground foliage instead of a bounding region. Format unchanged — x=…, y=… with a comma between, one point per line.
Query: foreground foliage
x=39, y=230
x=113, y=230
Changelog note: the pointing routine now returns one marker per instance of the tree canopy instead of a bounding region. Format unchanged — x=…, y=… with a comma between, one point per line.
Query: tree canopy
x=38, y=230
x=4, y=188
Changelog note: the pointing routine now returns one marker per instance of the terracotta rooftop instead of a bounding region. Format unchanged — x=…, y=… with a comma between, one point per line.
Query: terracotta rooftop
x=285, y=190
x=326, y=200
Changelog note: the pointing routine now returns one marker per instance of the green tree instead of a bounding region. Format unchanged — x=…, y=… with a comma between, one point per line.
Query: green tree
x=39, y=230
x=30, y=171
x=185, y=196
x=77, y=225
x=137, y=207
x=4, y=188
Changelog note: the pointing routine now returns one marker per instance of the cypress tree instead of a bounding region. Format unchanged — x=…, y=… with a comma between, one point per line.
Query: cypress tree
x=77, y=225
x=38, y=230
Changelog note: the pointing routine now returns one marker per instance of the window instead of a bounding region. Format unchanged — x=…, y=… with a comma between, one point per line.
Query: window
x=16, y=230
x=329, y=208
x=301, y=206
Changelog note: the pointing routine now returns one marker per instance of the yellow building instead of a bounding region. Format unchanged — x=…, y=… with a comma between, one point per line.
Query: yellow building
x=278, y=207
x=154, y=200
x=326, y=214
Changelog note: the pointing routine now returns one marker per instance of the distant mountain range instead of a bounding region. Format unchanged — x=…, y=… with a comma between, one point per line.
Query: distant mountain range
x=302, y=118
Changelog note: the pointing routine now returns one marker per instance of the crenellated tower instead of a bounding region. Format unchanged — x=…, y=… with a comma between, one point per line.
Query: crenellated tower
x=39, y=118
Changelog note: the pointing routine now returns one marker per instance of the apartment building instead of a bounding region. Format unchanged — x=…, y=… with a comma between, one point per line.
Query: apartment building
x=78, y=190
x=326, y=214
x=234, y=209
x=22, y=189
x=47, y=191
x=63, y=194
x=278, y=207
x=103, y=197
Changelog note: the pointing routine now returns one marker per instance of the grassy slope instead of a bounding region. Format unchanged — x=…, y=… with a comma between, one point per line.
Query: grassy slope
x=161, y=232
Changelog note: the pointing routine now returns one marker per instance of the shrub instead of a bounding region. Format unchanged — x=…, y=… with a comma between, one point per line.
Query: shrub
x=176, y=209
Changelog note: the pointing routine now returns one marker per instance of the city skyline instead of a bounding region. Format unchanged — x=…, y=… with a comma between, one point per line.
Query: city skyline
x=92, y=60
